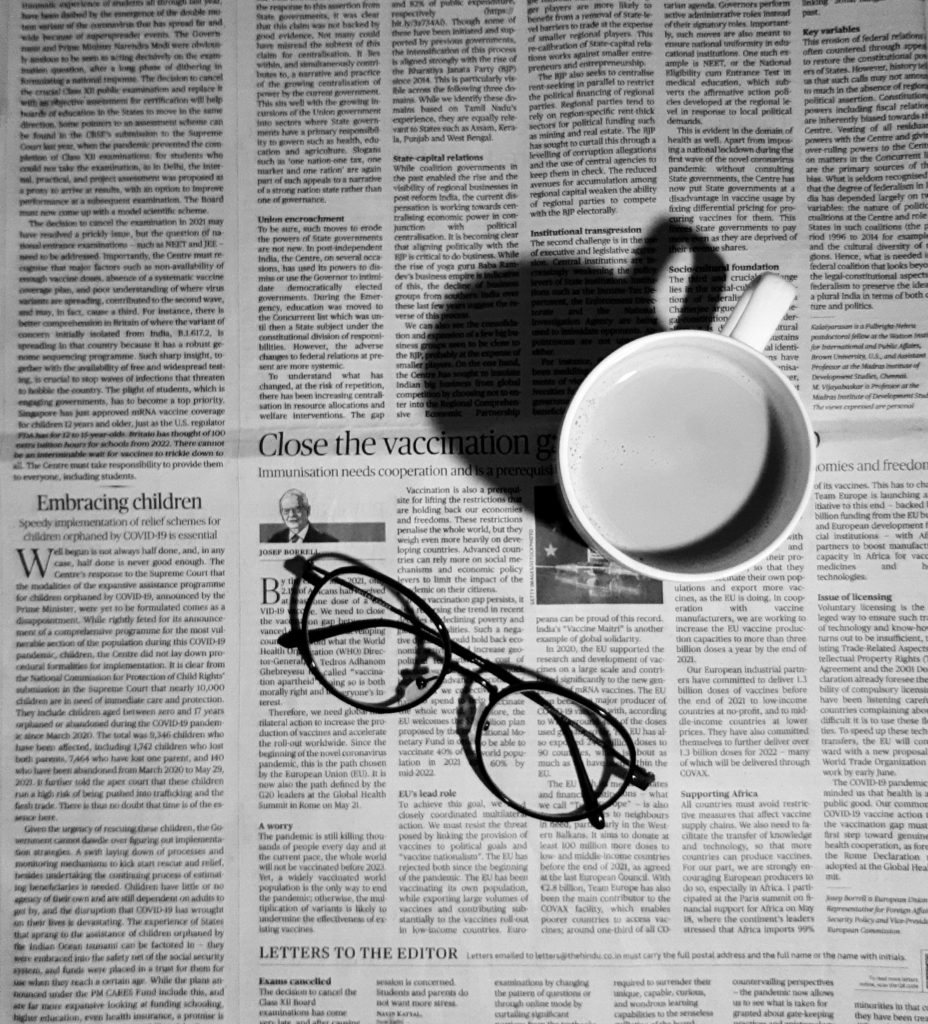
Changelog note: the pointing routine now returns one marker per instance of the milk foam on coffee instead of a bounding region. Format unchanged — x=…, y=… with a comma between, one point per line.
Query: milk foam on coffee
x=670, y=449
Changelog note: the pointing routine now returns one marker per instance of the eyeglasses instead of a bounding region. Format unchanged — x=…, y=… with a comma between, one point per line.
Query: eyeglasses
x=379, y=647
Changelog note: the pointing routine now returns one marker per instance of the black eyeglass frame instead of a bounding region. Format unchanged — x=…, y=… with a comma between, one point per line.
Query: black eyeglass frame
x=302, y=637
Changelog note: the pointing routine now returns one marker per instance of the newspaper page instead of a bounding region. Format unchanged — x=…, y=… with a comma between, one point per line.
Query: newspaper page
x=289, y=285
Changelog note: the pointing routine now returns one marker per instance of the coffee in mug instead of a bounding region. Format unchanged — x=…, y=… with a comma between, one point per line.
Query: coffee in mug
x=687, y=454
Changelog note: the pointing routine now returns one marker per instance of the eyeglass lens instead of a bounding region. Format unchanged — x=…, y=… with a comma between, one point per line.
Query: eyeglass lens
x=526, y=756
x=373, y=645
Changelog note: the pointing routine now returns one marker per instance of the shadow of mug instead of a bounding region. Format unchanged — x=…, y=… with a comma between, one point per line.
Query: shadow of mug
x=519, y=339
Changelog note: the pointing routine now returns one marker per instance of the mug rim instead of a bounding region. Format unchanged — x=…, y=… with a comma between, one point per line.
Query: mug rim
x=581, y=521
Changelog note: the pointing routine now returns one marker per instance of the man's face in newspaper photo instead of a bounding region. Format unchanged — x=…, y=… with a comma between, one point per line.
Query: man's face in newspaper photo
x=294, y=510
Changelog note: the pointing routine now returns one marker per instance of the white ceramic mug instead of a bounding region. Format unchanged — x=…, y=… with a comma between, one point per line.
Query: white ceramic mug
x=687, y=455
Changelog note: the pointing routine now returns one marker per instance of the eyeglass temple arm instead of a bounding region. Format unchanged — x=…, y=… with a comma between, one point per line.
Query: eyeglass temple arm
x=641, y=777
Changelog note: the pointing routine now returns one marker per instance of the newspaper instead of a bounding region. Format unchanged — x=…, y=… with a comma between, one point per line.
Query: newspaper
x=343, y=263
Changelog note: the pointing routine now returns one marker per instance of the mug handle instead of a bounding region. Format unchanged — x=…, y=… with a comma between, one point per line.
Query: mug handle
x=758, y=312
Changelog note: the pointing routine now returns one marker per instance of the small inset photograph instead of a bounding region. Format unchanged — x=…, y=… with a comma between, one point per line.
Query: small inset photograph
x=569, y=572
x=298, y=527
